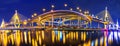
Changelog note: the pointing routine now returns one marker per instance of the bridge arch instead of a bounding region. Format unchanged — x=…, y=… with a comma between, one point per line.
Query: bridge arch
x=65, y=15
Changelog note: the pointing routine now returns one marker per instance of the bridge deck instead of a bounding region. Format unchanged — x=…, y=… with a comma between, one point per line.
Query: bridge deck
x=21, y=28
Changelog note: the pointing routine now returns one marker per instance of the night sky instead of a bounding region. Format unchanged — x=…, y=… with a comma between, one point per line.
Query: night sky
x=28, y=7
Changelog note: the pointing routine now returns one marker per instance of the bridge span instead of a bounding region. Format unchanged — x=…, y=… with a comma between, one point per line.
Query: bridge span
x=58, y=18
x=21, y=28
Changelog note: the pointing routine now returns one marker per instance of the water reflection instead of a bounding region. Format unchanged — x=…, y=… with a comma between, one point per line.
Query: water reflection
x=54, y=38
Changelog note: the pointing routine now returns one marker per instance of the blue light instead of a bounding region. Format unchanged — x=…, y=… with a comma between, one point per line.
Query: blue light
x=115, y=35
x=56, y=32
x=92, y=44
x=111, y=36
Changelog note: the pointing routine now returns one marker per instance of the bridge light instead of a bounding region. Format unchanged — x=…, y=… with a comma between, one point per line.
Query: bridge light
x=71, y=9
x=51, y=10
x=32, y=16
x=25, y=22
x=35, y=14
x=29, y=19
x=43, y=9
x=77, y=8
x=65, y=5
x=80, y=10
x=52, y=6
x=87, y=12
x=93, y=15
x=11, y=22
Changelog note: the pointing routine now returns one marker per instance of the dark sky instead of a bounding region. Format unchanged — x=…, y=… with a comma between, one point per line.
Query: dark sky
x=28, y=7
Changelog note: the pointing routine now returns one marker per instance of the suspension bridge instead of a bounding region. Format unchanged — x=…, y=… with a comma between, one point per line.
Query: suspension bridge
x=61, y=19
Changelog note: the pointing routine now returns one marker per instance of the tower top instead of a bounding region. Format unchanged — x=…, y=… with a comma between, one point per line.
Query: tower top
x=15, y=11
x=2, y=24
x=106, y=8
x=117, y=21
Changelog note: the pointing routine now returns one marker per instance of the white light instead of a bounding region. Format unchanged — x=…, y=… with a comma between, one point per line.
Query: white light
x=51, y=10
x=44, y=9
x=71, y=9
x=65, y=5
x=52, y=6
x=77, y=8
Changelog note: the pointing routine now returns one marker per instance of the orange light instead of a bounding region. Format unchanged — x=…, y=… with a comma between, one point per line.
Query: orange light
x=35, y=14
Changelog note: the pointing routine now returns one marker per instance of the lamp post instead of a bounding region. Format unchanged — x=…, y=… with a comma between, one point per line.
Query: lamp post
x=52, y=6
x=71, y=9
x=52, y=15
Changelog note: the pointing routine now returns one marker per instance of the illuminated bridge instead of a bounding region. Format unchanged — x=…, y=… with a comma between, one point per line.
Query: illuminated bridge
x=61, y=19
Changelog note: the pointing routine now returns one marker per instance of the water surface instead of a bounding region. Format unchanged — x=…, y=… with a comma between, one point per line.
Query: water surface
x=58, y=38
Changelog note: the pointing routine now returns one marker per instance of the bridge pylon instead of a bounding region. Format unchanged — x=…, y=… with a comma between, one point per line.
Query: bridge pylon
x=105, y=17
x=3, y=24
x=17, y=19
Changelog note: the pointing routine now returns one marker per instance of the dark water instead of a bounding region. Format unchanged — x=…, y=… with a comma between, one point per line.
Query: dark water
x=59, y=38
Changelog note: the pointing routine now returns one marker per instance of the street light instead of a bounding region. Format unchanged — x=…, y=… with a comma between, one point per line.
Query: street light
x=51, y=10
x=28, y=18
x=80, y=10
x=35, y=14
x=65, y=5
x=87, y=12
x=43, y=9
x=32, y=15
x=77, y=8
x=52, y=6
x=71, y=9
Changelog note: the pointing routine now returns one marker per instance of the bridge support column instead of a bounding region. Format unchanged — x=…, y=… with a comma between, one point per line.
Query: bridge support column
x=78, y=22
x=86, y=25
x=38, y=24
x=63, y=19
x=44, y=25
x=98, y=25
x=31, y=24
x=91, y=24
x=52, y=20
x=105, y=26
x=49, y=23
x=70, y=22
x=17, y=25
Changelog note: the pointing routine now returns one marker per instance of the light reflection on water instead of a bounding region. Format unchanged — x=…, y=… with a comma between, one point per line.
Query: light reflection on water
x=54, y=38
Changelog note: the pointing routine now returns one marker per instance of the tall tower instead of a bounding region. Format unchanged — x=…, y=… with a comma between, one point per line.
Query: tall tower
x=106, y=14
x=16, y=19
x=106, y=18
